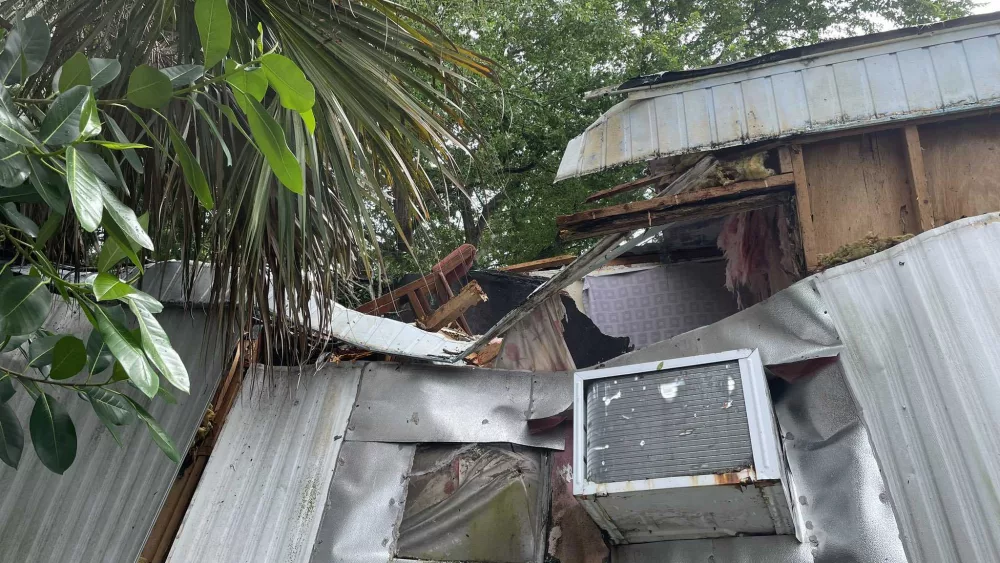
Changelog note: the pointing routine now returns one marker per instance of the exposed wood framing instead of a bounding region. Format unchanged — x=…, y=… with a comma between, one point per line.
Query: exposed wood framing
x=534, y=265
x=413, y=291
x=700, y=211
x=628, y=186
x=785, y=159
x=683, y=206
x=918, y=178
x=803, y=208
x=470, y=296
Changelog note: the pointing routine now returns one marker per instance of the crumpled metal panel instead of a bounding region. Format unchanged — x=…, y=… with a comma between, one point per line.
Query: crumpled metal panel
x=920, y=328
x=365, y=504
x=412, y=404
x=936, y=73
x=791, y=326
x=475, y=502
x=265, y=487
x=838, y=489
x=102, y=508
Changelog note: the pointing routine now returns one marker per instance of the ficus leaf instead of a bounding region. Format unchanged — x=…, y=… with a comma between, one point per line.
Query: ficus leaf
x=288, y=80
x=13, y=129
x=85, y=189
x=148, y=88
x=110, y=406
x=117, y=247
x=103, y=71
x=108, y=287
x=193, y=174
x=11, y=436
x=52, y=434
x=74, y=72
x=62, y=123
x=24, y=304
x=215, y=27
x=111, y=145
x=19, y=220
x=14, y=168
x=51, y=187
x=99, y=357
x=159, y=435
x=6, y=387
x=183, y=75
x=127, y=349
x=248, y=83
x=130, y=155
x=125, y=218
x=69, y=356
x=157, y=346
x=270, y=139
x=310, y=120
x=25, y=49
x=40, y=350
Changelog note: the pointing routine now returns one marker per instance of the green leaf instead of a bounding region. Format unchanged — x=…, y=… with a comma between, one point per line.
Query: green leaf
x=14, y=168
x=52, y=434
x=14, y=342
x=128, y=351
x=111, y=145
x=146, y=301
x=130, y=155
x=157, y=346
x=20, y=194
x=6, y=387
x=103, y=71
x=74, y=72
x=310, y=120
x=125, y=218
x=110, y=406
x=85, y=189
x=98, y=166
x=161, y=438
x=215, y=132
x=215, y=28
x=184, y=75
x=118, y=373
x=68, y=358
x=271, y=140
x=24, y=304
x=51, y=187
x=288, y=80
x=246, y=84
x=11, y=436
x=117, y=247
x=108, y=287
x=49, y=228
x=167, y=396
x=62, y=123
x=14, y=130
x=40, y=350
x=148, y=88
x=99, y=357
x=25, y=50
x=19, y=221
x=193, y=174
x=90, y=123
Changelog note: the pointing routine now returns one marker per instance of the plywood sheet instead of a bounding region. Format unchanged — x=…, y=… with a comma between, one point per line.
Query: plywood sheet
x=962, y=161
x=858, y=185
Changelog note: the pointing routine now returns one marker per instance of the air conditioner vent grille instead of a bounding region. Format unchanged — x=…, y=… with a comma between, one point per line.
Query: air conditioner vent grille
x=684, y=421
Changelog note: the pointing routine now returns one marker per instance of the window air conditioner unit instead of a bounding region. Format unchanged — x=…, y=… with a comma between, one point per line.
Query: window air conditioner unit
x=680, y=449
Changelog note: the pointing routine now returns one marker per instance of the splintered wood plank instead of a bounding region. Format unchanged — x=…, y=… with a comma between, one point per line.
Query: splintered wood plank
x=470, y=296
x=679, y=214
x=918, y=178
x=553, y=262
x=803, y=207
x=627, y=187
x=683, y=198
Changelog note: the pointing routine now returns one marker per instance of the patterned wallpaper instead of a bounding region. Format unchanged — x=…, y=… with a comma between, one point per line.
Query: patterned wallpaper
x=658, y=303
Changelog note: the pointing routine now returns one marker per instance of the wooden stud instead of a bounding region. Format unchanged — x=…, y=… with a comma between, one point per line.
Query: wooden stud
x=544, y=263
x=470, y=296
x=785, y=159
x=684, y=198
x=918, y=178
x=627, y=187
x=803, y=208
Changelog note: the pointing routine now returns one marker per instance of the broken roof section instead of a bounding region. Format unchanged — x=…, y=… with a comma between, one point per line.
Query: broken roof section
x=936, y=69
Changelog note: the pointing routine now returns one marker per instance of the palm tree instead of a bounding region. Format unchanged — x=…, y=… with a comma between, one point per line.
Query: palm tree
x=388, y=106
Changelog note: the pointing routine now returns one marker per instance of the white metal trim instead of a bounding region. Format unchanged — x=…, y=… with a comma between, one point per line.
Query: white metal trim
x=760, y=418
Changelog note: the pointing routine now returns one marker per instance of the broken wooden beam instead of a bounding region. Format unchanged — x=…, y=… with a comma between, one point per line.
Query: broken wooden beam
x=675, y=214
x=470, y=296
x=553, y=262
x=628, y=187
x=736, y=189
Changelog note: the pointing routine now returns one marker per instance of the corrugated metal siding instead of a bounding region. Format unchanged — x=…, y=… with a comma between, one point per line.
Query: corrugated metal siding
x=265, y=486
x=102, y=508
x=953, y=70
x=689, y=421
x=920, y=329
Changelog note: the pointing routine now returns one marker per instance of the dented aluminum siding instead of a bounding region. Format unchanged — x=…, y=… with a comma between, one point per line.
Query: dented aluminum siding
x=935, y=73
